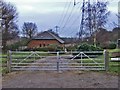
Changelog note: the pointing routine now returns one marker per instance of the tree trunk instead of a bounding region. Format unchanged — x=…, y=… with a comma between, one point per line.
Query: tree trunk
x=4, y=44
x=5, y=37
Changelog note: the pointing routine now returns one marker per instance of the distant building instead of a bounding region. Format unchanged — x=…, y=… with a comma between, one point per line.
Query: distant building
x=45, y=39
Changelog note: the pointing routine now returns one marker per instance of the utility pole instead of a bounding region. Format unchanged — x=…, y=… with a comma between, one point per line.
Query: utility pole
x=56, y=28
x=95, y=23
x=119, y=14
x=74, y=2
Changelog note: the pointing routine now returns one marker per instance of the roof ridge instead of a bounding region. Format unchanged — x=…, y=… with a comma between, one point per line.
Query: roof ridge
x=56, y=37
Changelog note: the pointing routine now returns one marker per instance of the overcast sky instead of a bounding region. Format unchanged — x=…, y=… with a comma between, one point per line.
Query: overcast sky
x=49, y=13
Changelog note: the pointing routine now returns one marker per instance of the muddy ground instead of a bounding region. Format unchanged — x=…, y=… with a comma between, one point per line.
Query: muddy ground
x=53, y=79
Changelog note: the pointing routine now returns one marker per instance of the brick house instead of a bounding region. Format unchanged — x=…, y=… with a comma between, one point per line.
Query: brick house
x=45, y=39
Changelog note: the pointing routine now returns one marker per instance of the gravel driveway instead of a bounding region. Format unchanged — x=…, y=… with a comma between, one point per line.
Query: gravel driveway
x=53, y=79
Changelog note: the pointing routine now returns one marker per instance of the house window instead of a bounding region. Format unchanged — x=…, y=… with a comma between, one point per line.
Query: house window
x=40, y=45
x=43, y=45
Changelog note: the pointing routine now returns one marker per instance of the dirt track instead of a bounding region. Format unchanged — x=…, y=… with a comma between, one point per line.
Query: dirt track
x=53, y=79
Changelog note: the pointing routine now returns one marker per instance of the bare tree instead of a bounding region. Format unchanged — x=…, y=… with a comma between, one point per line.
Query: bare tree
x=117, y=24
x=97, y=16
x=8, y=18
x=29, y=29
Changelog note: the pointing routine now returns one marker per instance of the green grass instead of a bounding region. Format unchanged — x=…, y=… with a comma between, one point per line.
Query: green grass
x=3, y=61
x=88, y=62
x=114, y=50
x=114, y=67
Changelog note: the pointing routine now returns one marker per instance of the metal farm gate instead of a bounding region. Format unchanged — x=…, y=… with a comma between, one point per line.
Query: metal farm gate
x=59, y=61
x=87, y=60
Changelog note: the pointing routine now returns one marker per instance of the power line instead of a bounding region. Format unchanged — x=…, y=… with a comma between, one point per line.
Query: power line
x=65, y=14
x=67, y=20
x=71, y=15
x=62, y=14
x=75, y=20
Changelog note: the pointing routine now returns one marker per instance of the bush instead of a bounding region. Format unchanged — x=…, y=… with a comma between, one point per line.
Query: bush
x=93, y=48
x=14, y=46
x=84, y=47
x=18, y=44
x=73, y=48
x=87, y=47
x=112, y=46
x=54, y=47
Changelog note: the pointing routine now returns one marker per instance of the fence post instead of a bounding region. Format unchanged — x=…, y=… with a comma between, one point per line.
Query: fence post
x=58, y=61
x=34, y=55
x=81, y=57
x=9, y=61
x=106, y=59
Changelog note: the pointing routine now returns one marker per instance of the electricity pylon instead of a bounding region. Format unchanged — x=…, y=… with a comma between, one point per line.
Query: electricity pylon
x=81, y=32
x=83, y=19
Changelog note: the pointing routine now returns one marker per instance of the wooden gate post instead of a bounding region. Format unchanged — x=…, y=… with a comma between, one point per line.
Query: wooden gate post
x=106, y=59
x=58, y=61
x=9, y=61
